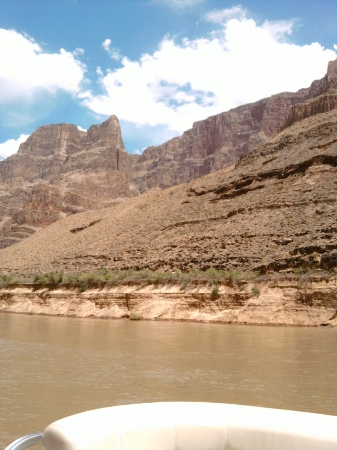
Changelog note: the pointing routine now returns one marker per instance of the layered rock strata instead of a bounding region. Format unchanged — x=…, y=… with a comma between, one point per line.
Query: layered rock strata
x=322, y=98
x=215, y=143
x=60, y=171
x=276, y=211
x=291, y=300
x=220, y=140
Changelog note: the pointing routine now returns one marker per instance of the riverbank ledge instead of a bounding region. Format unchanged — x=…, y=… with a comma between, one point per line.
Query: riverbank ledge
x=282, y=301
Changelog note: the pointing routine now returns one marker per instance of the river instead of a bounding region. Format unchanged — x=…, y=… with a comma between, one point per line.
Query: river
x=52, y=367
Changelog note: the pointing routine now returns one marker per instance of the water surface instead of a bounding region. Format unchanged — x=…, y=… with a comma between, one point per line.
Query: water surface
x=52, y=367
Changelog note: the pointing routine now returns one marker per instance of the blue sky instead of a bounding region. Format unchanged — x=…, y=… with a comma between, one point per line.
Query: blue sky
x=159, y=65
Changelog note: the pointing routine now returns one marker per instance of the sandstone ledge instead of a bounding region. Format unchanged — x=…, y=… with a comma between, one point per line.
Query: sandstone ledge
x=281, y=302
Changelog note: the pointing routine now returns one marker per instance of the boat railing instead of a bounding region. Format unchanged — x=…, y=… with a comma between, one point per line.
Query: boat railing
x=25, y=441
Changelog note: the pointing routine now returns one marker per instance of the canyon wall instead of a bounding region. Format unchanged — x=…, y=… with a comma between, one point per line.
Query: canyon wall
x=60, y=170
x=275, y=211
x=221, y=140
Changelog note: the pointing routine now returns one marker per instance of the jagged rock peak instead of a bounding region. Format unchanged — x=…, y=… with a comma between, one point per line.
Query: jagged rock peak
x=322, y=98
x=60, y=171
x=326, y=84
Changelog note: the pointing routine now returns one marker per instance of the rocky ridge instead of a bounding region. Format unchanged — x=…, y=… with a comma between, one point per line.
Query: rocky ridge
x=275, y=211
x=60, y=171
x=221, y=140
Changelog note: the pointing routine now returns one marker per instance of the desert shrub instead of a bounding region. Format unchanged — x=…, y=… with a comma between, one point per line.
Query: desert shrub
x=5, y=279
x=40, y=279
x=215, y=293
x=232, y=276
x=72, y=278
x=87, y=280
x=145, y=274
x=106, y=275
x=158, y=278
x=135, y=316
x=212, y=273
x=16, y=281
x=255, y=291
x=184, y=279
x=128, y=275
x=54, y=277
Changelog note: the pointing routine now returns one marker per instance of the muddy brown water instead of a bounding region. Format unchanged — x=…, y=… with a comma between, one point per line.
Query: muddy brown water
x=52, y=367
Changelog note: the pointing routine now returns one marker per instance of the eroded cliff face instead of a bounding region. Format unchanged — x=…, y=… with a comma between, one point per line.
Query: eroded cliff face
x=215, y=143
x=322, y=98
x=60, y=171
x=275, y=211
x=291, y=300
x=221, y=140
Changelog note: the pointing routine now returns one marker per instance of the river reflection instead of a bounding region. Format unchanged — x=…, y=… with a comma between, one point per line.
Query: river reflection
x=52, y=367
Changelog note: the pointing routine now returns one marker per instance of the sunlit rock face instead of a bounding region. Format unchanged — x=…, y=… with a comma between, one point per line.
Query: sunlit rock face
x=59, y=171
x=220, y=141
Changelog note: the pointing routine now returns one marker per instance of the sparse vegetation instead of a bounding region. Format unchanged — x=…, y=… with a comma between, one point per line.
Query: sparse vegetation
x=255, y=291
x=211, y=277
x=6, y=280
x=215, y=293
x=40, y=279
x=52, y=278
x=135, y=316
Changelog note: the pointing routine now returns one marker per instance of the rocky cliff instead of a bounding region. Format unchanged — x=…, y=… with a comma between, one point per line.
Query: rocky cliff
x=283, y=300
x=214, y=143
x=220, y=140
x=322, y=98
x=275, y=211
x=60, y=171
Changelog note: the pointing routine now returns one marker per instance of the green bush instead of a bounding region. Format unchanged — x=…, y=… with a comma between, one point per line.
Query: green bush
x=215, y=293
x=212, y=273
x=54, y=277
x=40, y=279
x=16, y=281
x=135, y=316
x=87, y=280
x=255, y=291
x=106, y=275
x=5, y=279
x=233, y=276
x=72, y=278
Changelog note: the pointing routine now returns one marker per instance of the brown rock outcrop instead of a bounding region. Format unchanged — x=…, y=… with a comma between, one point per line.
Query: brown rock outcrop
x=220, y=140
x=214, y=143
x=276, y=211
x=322, y=98
x=60, y=171
x=284, y=300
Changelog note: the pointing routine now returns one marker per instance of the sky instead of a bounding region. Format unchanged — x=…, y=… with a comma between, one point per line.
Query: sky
x=158, y=65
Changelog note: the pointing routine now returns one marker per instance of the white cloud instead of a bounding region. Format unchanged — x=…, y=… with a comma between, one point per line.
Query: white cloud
x=183, y=82
x=81, y=129
x=12, y=145
x=113, y=52
x=26, y=69
x=221, y=16
x=178, y=4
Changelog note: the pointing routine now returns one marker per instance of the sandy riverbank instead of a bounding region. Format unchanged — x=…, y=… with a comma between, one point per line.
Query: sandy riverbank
x=280, y=302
